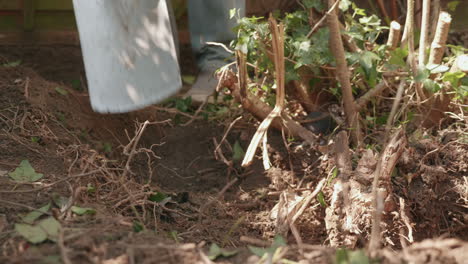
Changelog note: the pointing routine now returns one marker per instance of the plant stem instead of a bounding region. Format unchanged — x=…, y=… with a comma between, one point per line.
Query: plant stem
x=343, y=74
x=424, y=32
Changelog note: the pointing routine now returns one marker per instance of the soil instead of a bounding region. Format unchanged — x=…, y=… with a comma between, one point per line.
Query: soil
x=45, y=118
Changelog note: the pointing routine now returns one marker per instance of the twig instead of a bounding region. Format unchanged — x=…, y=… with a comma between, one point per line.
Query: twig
x=218, y=196
x=63, y=248
x=332, y=9
x=369, y=95
x=219, y=154
x=343, y=74
x=26, y=88
x=226, y=133
x=200, y=108
x=54, y=183
x=308, y=200
x=24, y=206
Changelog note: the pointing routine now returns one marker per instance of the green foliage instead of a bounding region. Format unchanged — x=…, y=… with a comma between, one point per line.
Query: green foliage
x=61, y=91
x=25, y=173
x=46, y=229
x=216, y=252
x=277, y=243
x=12, y=64
x=238, y=152
x=344, y=256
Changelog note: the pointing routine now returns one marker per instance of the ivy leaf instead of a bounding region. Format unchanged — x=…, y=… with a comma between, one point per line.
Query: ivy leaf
x=216, y=251
x=157, y=197
x=32, y=216
x=344, y=5
x=317, y=4
x=51, y=227
x=452, y=5
x=232, y=13
x=278, y=242
x=82, y=210
x=397, y=57
x=321, y=199
x=453, y=78
x=61, y=91
x=12, y=64
x=33, y=234
x=437, y=68
x=422, y=76
x=431, y=86
x=25, y=173
x=238, y=151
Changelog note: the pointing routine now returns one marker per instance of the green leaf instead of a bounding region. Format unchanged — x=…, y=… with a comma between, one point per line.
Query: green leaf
x=321, y=199
x=215, y=252
x=188, y=79
x=232, y=13
x=423, y=74
x=277, y=242
x=238, y=152
x=367, y=60
x=157, y=197
x=453, y=77
x=437, y=68
x=12, y=64
x=25, y=173
x=107, y=147
x=345, y=256
x=431, y=86
x=60, y=201
x=397, y=57
x=61, y=91
x=344, y=5
x=32, y=216
x=317, y=4
x=51, y=227
x=82, y=210
x=258, y=251
x=137, y=227
x=452, y=5
x=76, y=85
x=33, y=234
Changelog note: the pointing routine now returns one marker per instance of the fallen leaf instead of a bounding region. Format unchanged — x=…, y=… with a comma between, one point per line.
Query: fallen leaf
x=25, y=173
x=51, y=227
x=216, y=252
x=61, y=91
x=32, y=216
x=82, y=210
x=33, y=234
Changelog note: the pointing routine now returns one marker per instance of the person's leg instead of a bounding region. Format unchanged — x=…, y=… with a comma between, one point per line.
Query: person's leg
x=209, y=21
